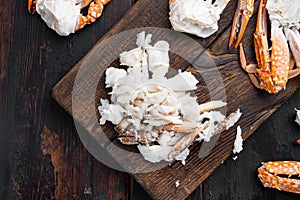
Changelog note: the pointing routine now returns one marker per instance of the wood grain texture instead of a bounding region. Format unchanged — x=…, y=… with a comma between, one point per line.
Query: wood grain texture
x=256, y=105
x=41, y=154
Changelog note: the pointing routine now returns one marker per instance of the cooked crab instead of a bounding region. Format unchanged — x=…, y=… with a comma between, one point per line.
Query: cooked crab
x=157, y=113
x=277, y=175
x=64, y=16
x=272, y=71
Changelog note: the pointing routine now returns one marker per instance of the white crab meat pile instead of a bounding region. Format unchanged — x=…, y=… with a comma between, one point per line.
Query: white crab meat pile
x=60, y=15
x=198, y=17
x=157, y=113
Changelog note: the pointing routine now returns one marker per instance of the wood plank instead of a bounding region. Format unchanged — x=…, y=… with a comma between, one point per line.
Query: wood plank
x=256, y=105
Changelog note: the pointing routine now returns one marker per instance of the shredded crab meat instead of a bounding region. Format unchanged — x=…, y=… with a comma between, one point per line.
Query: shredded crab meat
x=198, y=17
x=157, y=113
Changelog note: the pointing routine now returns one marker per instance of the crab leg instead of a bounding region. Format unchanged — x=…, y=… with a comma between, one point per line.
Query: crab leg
x=242, y=15
x=283, y=167
x=31, y=6
x=280, y=57
x=268, y=179
x=249, y=68
x=262, y=50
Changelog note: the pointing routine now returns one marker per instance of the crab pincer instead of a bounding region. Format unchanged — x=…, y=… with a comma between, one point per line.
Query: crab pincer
x=241, y=18
x=275, y=64
x=277, y=175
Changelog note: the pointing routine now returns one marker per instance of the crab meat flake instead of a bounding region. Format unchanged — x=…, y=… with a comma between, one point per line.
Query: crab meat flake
x=297, y=116
x=177, y=183
x=238, y=142
x=155, y=112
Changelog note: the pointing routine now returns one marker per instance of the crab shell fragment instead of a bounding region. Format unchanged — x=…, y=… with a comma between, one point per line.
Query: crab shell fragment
x=277, y=175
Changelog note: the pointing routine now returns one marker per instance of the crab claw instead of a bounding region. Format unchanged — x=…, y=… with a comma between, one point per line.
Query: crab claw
x=31, y=6
x=242, y=15
x=270, y=175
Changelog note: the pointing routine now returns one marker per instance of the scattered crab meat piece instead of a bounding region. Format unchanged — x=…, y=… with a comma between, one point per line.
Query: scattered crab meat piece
x=183, y=81
x=268, y=175
x=110, y=112
x=122, y=125
x=186, y=127
x=238, y=142
x=297, y=116
x=228, y=122
x=198, y=17
x=234, y=158
x=113, y=75
x=164, y=138
x=154, y=153
x=222, y=125
x=155, y=111
x=297, y=120
x=182, y=156
x=177, y=183
x=185, y=142
x=128, y=140
x=211, y=105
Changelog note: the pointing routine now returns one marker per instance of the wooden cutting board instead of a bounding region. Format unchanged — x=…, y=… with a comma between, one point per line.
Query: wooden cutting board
x=256, y=105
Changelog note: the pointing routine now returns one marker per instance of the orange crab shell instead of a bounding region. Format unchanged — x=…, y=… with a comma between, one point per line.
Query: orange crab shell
x=268, y=175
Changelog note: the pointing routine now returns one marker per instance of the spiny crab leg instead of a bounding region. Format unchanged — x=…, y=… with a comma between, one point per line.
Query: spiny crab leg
x=283, y=167
x=243, y=13
x=31, y=6
x=267, y=174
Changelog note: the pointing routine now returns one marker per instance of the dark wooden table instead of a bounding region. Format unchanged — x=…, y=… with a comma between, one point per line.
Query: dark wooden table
x=42, y=156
